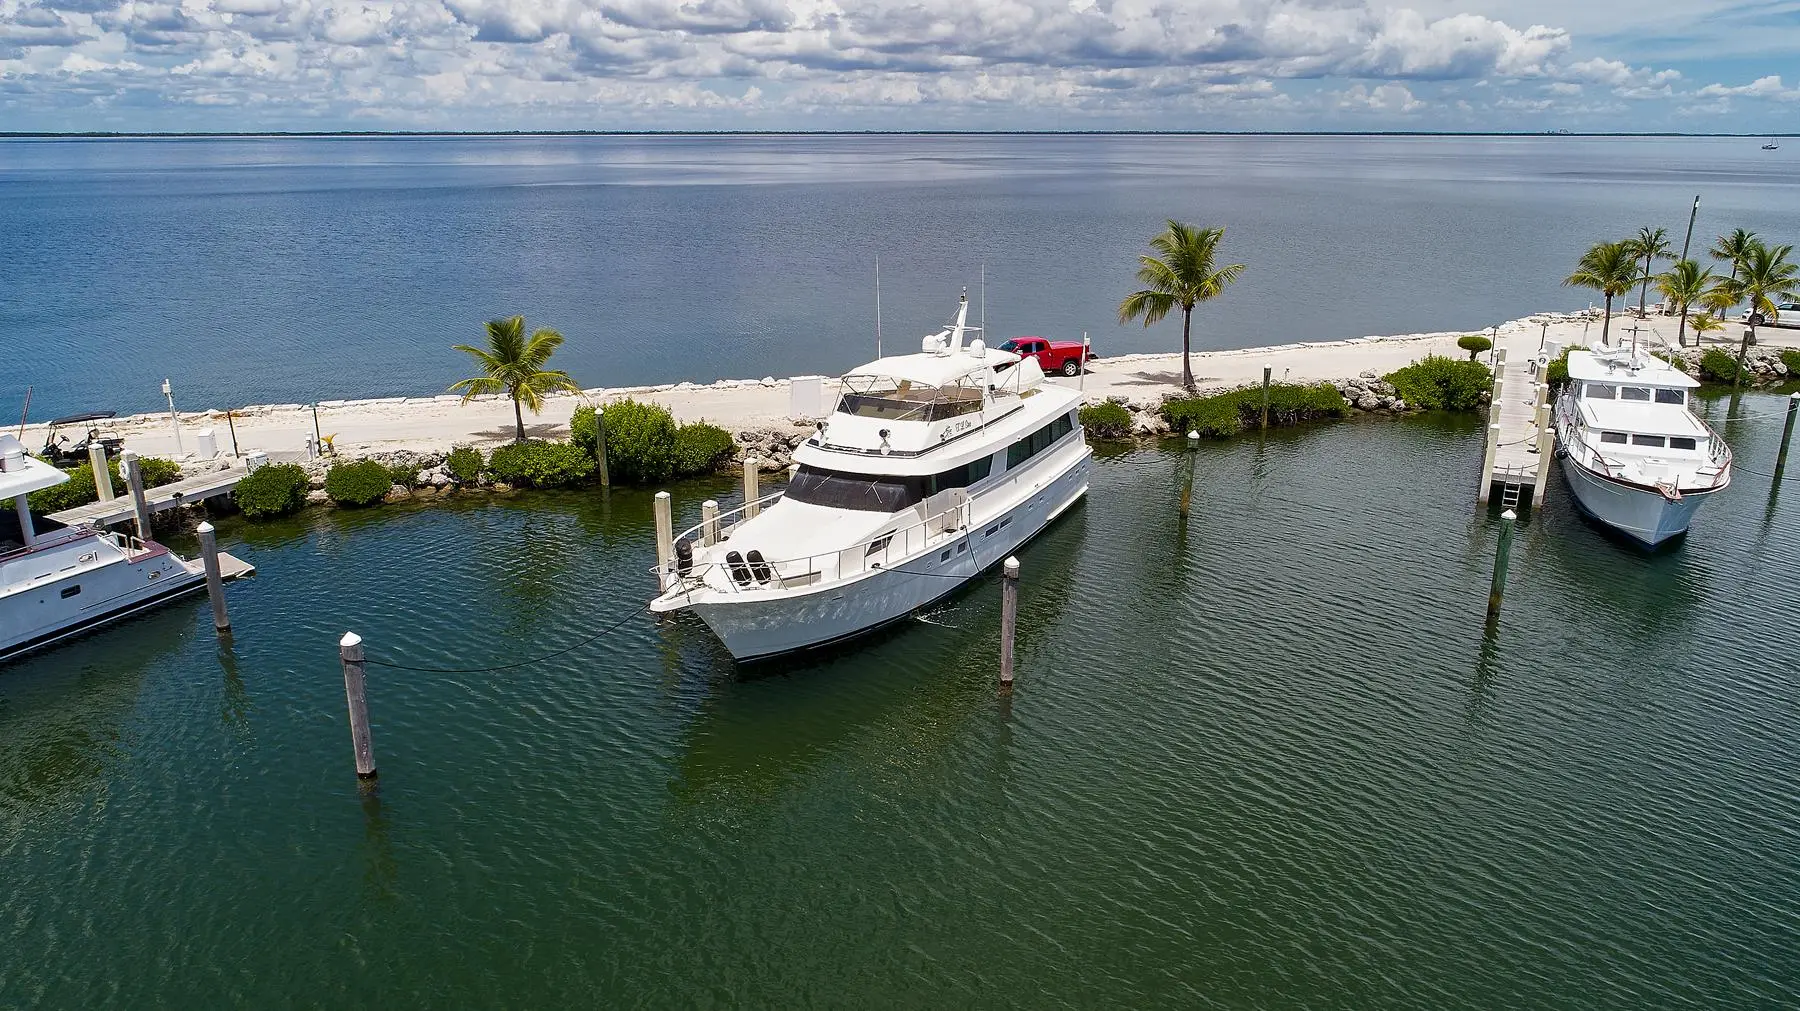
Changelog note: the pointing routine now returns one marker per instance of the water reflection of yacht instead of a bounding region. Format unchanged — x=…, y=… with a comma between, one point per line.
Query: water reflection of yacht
x=1636, y=457
x=933, y=467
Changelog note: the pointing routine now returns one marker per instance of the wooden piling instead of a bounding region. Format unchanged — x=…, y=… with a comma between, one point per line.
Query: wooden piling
x=215, y=581
x=1787, y=433
x=1193, y=457
x=350, y=651
x=134, y=479
x=600, y=447
x=102, y=473
x=709, y=522
x=665, y=534
x=1267, y=369
x=1546, y=457
x=751, y=491
x=1502, y=559
x=1487, y=464
x=1009, y=617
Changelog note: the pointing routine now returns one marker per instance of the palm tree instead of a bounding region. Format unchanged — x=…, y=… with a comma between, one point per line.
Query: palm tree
x=1609, y=268
x=1182, y=275
x=1651, y=244
x=1703, y=324
x=1684, y=284
x=1765, y=277
x=515, y=366
x=1734, y=247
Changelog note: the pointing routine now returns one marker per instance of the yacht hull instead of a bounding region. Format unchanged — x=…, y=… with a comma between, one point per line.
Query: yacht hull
x=1641, y=513
x=758, y=629
x=48, y=613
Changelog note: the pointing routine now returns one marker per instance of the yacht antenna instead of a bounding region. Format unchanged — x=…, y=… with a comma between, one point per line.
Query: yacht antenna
x=984, y=300
x=878, y=305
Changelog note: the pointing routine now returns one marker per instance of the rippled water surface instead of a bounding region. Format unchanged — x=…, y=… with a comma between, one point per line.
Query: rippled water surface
x=287, y=270
x=1271, y=760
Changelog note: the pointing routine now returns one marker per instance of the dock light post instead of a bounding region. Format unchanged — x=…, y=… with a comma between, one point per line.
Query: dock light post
x=1502, y=558
x=174, y=422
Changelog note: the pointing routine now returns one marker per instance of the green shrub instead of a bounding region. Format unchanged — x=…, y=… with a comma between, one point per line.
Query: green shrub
x=78, y=490
x=405, y=475
x=1679, y=363
x=640, y=442
x=584, y=427
x=1106, y=420
x=274, y=489
x=541, y=464
x=1474, y=344
x=1719, y=366
x=1791, y=359
x=1226, y=414
x=701, y=448
x=464, y=463
x=155, y=471
x=1557, y=372
x=1438, y=383
x=358, y=483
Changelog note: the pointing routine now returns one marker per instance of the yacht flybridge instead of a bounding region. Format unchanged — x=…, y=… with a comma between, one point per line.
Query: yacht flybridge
x=56, y=583
x=933, y=467
x=1636, y=457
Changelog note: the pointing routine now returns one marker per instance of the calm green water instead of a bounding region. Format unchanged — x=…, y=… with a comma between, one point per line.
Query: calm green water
x=1268, y=762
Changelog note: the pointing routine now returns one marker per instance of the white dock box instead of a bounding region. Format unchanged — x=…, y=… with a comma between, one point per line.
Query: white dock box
x=254, y=459
x=206, y=445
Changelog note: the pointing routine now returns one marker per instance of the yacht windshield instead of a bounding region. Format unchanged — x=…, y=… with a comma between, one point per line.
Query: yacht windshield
x=882, y=493
x=904, y=400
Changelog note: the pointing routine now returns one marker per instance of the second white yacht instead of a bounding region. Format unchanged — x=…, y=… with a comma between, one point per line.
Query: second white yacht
x=933, y=467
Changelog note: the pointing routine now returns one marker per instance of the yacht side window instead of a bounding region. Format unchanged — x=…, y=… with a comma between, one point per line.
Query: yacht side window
x=1681, y=442
x=1647, y=440
x=1616, y=438
x=1602, y=391
x=1634, y=393
x=1671, y=396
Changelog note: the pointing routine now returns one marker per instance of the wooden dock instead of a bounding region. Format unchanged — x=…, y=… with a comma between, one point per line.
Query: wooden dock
x=1520, y=438
x=184, y=492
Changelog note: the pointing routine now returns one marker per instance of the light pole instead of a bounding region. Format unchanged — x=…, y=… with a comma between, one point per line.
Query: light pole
x=174, y=422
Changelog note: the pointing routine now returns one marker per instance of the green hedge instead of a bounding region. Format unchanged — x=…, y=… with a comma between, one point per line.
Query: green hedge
x=1106, y=420
x=1226, y=414
x=1719, y=366
x=539, y=464
x=358, y=483
x=1791, y=359
x=80, y=489
x=1557, y=372
x=640, y=442
x=1438, y=383
x=701, y=448
x=584, y=430
x=464, y=463
x=273, y=489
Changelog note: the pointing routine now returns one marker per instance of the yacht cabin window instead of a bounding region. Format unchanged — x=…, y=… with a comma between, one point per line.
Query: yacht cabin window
x=1038, y=441
x=1634, y=393
x=1647, y=440
x=883, y=493
x=1671, y=396
x=1681, y=442
x=904, y=400
x=1601, y=391
x=1616, y=438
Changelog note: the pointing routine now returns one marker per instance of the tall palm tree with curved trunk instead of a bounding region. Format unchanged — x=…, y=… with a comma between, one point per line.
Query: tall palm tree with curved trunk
x=1684, y=284
x=1182, y=273
x=513, y=364
x=1734, y=248
x=1609, y=268
x=1765, y=277
x=1651, y=244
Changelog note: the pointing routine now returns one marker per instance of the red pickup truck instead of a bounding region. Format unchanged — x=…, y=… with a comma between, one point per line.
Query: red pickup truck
x=1053, y=356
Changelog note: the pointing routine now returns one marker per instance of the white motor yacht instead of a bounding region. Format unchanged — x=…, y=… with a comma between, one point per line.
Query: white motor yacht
x=1636, y=456
x=933, y=467
x=60, y=581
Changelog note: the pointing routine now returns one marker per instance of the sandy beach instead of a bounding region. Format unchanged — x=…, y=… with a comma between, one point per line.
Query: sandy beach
x=436, y=423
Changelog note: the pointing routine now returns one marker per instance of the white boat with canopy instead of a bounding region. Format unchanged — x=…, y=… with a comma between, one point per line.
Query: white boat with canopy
x=933, y=467
x=1636, y=456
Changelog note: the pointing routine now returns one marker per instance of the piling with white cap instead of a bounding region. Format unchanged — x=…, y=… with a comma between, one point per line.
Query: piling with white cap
x=350, y=652
x=215, y=581
x=1009, y=617
x=1502, y=559
x=134, y=480
x=102, y=471
x=665, y=535
x=751, y=491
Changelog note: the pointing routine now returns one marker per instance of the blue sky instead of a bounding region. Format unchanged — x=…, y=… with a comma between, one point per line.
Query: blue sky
x=1607, y=65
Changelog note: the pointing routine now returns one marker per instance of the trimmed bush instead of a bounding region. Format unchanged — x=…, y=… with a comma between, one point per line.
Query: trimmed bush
x=274, y=489
x=1226, y=414
x=701, y=448
x=1719, y=366
x=640, y=442
x=464, y=463
x=539, y=464
x=1106, y=420
x=358, y=483
x=1474, y=344
x=1437, y=383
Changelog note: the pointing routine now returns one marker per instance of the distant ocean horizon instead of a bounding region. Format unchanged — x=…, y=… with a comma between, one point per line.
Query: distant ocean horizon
x=290, y=268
